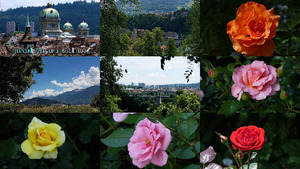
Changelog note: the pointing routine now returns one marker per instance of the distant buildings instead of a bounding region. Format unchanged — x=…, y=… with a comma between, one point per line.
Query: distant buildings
x=31, y=26
x=11, y=27
x=142, y=85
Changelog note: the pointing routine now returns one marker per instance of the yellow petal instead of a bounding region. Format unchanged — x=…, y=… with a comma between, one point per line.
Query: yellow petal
x=51, y=154
x=28, y=149
x=36, y=123
x=32, y=135
x=54, y=127
x=45, y=148
x=61, y=138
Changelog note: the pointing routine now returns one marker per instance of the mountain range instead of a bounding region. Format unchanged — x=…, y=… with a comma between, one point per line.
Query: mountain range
x=74, y=97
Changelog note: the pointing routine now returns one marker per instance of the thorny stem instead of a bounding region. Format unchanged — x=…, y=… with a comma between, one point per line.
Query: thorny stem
x=173, y=156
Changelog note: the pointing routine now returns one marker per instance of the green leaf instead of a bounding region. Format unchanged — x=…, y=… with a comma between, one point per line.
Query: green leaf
x=230, y=107
x=85, y=137
x=131, y=118
x=113, y=150
x=231, y=66
x=197, y=146
x=192, y=166
x=252, y=166
x=118, y=138
x=185, y=115
x=8, y=148
x=295, y=20
x=94, y=127
x=187, y=127
x=80, y=160
x=184, y=153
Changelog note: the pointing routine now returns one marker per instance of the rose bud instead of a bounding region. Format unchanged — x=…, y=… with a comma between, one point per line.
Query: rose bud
x=213, y=73
x=279, y=71
x=239, y=155
x=224, y=139
x=283, y=95
x=245, y=97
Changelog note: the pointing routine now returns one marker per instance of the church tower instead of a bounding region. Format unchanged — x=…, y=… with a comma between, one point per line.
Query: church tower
x=83, y=29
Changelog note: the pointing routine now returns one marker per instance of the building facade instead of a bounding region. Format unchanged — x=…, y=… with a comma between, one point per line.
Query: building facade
x=11, y=27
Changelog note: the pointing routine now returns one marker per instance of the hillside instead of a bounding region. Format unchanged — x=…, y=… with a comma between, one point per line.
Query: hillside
x=75, y=97
x=151, y=6
x=40, y=101
x=74, y=11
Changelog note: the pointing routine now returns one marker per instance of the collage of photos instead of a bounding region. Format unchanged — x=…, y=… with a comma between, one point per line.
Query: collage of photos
x=50, y=84
x=250, y=83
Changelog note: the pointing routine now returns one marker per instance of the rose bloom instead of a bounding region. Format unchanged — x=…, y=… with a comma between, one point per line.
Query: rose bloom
x=43, y=140
x=252, y=30
x=248, y=138
x=148, y=144
x=258, y=79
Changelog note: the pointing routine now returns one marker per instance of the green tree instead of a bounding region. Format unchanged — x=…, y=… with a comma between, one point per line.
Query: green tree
x=171, y=49
x=185, y=102
x=95, y=102
x=16, y=76
x=125, y=43
x=193, y=39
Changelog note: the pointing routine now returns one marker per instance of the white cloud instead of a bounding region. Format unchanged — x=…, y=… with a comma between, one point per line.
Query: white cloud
x=91, y=78
x=44, y=93
x=83, y=80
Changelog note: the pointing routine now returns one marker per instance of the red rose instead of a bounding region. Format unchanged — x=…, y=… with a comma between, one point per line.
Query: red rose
x=248, y=138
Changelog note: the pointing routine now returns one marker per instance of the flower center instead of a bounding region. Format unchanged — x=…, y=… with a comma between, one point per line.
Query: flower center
x=147, y=142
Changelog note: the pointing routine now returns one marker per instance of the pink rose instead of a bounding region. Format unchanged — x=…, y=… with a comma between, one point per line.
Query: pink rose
x=258, y=79
x=148, y=144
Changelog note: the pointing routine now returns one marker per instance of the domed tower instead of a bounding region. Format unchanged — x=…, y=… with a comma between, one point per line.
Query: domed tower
x=49, y=22
x=68, y=27
x=83, y=29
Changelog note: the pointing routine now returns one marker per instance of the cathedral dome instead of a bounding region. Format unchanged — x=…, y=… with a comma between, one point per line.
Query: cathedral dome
x=49, y=12
x=68, y=25
x=83, y=25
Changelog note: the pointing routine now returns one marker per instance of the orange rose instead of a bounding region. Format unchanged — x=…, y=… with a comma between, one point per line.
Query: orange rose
x=252, y=30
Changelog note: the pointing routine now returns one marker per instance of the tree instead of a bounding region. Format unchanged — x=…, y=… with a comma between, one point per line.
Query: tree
x=16, y=76
x=171, y=49
x=95, y=102
x=185, y=102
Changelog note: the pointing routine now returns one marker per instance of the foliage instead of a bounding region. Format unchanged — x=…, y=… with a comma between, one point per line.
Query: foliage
x=185, y=102
x=95, y=102
x=183, y=150
x=73, y=11
x=16, y=76
x=81, y=149
x=171, y=49
x=216, y=14
x=150, y=21
x=109, y=89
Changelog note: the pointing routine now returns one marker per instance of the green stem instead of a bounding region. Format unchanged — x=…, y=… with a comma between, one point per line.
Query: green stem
x=107, y=121
x=75, y=146
x=173, y=156
x=249, y=155
x=233, y=156
x=106, y=131
x=251, y=103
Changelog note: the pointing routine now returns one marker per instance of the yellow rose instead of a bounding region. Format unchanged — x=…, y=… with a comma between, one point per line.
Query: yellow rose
x=43, y=140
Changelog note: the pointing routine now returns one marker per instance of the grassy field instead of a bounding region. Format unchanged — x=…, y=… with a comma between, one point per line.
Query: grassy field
x=48, y=109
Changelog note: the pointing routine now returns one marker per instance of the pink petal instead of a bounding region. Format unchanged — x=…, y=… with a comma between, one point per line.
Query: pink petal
x=207, y=155
x=275, y=88
x=160, y=158
x=140, y=164
x=118, y=117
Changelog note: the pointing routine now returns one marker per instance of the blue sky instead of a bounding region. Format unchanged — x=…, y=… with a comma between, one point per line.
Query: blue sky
x=6, y=4
x=63, y=74
x=147, y=70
